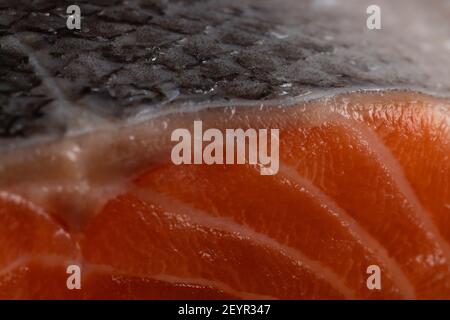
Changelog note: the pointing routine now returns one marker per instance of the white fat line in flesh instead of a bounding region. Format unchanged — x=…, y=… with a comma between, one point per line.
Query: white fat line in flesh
x=95, y=268
x=219, y=285
x=48, y=260
x=114, y=272
x=202, y=218
x=53, y=260
x=69, y=187
x=21, y=201
x=88, y=268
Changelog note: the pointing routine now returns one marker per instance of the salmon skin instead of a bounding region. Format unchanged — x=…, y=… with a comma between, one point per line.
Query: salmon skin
x=92, y=205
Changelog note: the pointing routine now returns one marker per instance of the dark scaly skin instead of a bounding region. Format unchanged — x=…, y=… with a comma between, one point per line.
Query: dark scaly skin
x=150, y=54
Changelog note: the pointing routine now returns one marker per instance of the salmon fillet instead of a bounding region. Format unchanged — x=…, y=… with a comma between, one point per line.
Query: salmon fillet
x=87, y=178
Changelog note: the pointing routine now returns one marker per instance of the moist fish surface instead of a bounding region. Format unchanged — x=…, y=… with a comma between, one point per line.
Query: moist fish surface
x=86, y=176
